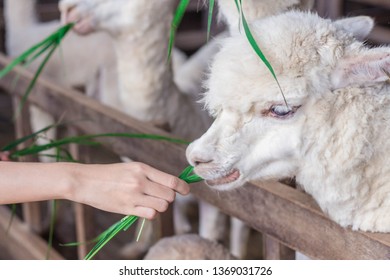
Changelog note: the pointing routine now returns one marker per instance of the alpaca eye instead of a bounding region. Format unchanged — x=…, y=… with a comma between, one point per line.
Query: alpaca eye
x=280, y=111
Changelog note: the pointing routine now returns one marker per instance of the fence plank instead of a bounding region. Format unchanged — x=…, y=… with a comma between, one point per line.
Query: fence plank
x=286, y=214
x=91, y=117
x=294, y=218
x=21, y=243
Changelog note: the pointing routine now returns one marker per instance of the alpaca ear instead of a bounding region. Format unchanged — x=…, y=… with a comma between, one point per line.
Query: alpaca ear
x=359, y=26
x=369, y=66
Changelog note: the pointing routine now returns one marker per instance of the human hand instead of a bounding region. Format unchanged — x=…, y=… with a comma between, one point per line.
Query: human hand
x=4, y=156
x=125, y=188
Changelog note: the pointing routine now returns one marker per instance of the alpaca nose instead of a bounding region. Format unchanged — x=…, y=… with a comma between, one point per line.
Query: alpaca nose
x=197, y=157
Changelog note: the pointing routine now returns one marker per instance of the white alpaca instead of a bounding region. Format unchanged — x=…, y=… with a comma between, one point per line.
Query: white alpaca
x=253, y=10
x=188, y=247
x=333, y=135
x=77, y=64
x=147, y=91
x=146, y=78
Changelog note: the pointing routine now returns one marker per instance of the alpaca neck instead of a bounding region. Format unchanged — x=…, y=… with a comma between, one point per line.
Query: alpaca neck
x=147, y=90
x=348, y=165
x=19, y=14
x=145, y=77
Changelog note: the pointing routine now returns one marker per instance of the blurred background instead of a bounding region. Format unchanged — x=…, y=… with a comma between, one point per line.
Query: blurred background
x=192, y=32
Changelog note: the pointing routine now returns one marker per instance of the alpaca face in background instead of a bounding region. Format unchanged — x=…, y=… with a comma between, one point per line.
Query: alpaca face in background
x=255, y=134
x=110, y=15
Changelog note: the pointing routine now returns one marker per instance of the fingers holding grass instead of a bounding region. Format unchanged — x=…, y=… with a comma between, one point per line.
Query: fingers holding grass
x=166, y=180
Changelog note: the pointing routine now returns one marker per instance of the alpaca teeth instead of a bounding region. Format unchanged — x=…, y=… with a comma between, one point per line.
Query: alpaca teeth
x=230, y=177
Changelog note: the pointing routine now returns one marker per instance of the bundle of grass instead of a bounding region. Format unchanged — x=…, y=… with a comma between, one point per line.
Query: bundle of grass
x=124, y=224
x=44, y=49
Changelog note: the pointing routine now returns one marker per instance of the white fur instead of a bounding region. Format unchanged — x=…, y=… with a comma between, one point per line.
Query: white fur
x=188, y=247
x=336, y=143
x=252, y=9
x=140, y=30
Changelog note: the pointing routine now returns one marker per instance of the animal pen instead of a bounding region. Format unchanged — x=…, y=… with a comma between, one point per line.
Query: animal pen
x=288, y=219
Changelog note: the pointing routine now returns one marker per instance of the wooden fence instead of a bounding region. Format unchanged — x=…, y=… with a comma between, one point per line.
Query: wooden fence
x=286, y=216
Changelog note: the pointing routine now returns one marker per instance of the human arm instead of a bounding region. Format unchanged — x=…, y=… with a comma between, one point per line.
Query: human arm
x=126, y=188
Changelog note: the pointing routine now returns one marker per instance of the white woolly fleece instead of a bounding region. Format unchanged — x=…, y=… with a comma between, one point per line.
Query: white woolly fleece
x=335, y=135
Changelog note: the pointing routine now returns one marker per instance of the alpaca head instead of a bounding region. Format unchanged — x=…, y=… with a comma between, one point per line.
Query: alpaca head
x=255, y=135
x=113, y=16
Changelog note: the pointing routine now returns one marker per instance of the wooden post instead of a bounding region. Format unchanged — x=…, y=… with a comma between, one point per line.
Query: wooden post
x=84, y=221
x=330, y=8
x=31, y=211
x=274, y=250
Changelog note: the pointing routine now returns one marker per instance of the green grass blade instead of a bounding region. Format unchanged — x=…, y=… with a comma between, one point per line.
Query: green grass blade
x=140, y=135
x=34, y=80
x=178, y=16
x=186, y=172
x=186, y=175
x=128, y=221
x=256, y=47
x=36, y=149
x=51, y=230
x=210, y=17
x=96, y=239
x=60, y=158
x=15, y=143
x=13, y=213
x=85, y=140
x=55, y=37
x=49, y=45
x=20, y=59
x=125, y=223
x=67, y=156
x=28, y=61
x=193, y=179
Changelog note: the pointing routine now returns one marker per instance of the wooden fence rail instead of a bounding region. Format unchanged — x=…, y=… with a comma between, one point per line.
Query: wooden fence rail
x=286, y=214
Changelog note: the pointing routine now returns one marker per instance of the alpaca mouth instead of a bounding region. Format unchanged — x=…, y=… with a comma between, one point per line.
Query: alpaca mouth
x=229, y=178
